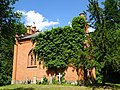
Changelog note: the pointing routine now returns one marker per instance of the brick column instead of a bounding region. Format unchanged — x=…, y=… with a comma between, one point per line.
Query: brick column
x=15, y=63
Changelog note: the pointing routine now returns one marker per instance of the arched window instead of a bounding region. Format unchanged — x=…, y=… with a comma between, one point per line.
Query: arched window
x=32, y=59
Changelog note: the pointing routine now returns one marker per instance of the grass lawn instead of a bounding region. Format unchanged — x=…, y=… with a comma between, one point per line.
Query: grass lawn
x=56, y=87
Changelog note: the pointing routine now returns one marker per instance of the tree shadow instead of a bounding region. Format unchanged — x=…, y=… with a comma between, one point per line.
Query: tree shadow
x=50, y=72
x=106, y=86
x=21, y=88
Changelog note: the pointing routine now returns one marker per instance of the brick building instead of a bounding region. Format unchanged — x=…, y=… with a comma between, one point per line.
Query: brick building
x=27, y=67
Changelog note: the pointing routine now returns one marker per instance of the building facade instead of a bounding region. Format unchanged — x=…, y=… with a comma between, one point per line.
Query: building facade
x=27, y=67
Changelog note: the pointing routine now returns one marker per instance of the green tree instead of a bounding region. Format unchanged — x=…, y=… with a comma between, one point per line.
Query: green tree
x=9, y=22
x=105, y=39
x=62, y=46
x=78, y=24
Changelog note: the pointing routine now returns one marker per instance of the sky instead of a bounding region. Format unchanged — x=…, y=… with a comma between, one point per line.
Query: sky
x=50, y=13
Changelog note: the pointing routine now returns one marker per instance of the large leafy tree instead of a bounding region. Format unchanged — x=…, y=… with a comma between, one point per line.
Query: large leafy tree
x=9, y=24
x=106, y=38
x=62, y=46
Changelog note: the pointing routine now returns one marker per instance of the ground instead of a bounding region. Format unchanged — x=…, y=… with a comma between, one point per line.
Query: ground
x=58, y=87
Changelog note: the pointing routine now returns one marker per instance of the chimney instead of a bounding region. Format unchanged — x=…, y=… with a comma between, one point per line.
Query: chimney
x=34, y=28
x=86, y=26
x=82, y=15
x=29, y=30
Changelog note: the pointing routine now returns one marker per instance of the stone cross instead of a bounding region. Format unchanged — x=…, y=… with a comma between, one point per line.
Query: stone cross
x=59, y=77
x=34, y=80
x=50, y=79
x=41, y=80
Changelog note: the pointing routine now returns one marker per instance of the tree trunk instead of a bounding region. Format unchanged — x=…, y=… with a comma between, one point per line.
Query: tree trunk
x=82, y=76
x=104, y=75
x=85, y=77
x=85, y=74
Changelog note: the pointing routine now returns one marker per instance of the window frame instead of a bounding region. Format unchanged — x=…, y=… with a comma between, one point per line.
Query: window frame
x=32, y=60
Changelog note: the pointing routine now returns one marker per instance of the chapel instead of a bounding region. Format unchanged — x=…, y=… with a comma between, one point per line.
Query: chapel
x=26, y=67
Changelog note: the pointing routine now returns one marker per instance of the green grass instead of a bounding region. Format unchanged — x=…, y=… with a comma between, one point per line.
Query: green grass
x=43, y=87
x=56, y=87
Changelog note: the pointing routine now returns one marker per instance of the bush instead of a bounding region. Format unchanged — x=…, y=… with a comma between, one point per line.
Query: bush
x=38, y=82
x=54, y=81
x=45, y=81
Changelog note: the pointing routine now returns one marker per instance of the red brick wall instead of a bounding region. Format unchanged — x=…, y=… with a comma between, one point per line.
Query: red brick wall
x=21, y=71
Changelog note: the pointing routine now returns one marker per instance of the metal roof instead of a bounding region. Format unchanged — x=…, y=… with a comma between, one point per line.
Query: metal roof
x=30, y=36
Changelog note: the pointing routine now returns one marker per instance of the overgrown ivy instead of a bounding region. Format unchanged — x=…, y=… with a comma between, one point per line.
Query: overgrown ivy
x=59, y=47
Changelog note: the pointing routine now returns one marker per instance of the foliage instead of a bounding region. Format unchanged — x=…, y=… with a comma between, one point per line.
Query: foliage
x=45, y=81
x=54, y=81
x=8, y=27
x=105, y=39
x=78, y=24
x=63, y=81
x=60, y=46
x=21, y=29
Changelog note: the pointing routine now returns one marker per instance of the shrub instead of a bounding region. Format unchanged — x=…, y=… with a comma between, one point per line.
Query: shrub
x=54, y=81
x=45, y=81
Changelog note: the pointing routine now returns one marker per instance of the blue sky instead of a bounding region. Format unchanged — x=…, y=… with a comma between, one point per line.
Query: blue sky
x=50, y=13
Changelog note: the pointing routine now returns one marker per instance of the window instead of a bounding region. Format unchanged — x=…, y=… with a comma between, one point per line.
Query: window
x=32, y=59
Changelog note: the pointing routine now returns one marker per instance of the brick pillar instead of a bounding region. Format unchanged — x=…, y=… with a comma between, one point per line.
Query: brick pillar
x=86, y=26
x=93, y=73
x=34, y=28
x=29, y=30
x=15, y=63
x=81, y=74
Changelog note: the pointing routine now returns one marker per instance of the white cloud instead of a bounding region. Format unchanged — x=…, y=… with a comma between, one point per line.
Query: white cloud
x=90, y=29
x=40, y=21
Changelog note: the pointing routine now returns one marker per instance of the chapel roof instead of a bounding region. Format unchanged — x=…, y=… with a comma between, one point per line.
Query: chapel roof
x=30, y=36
